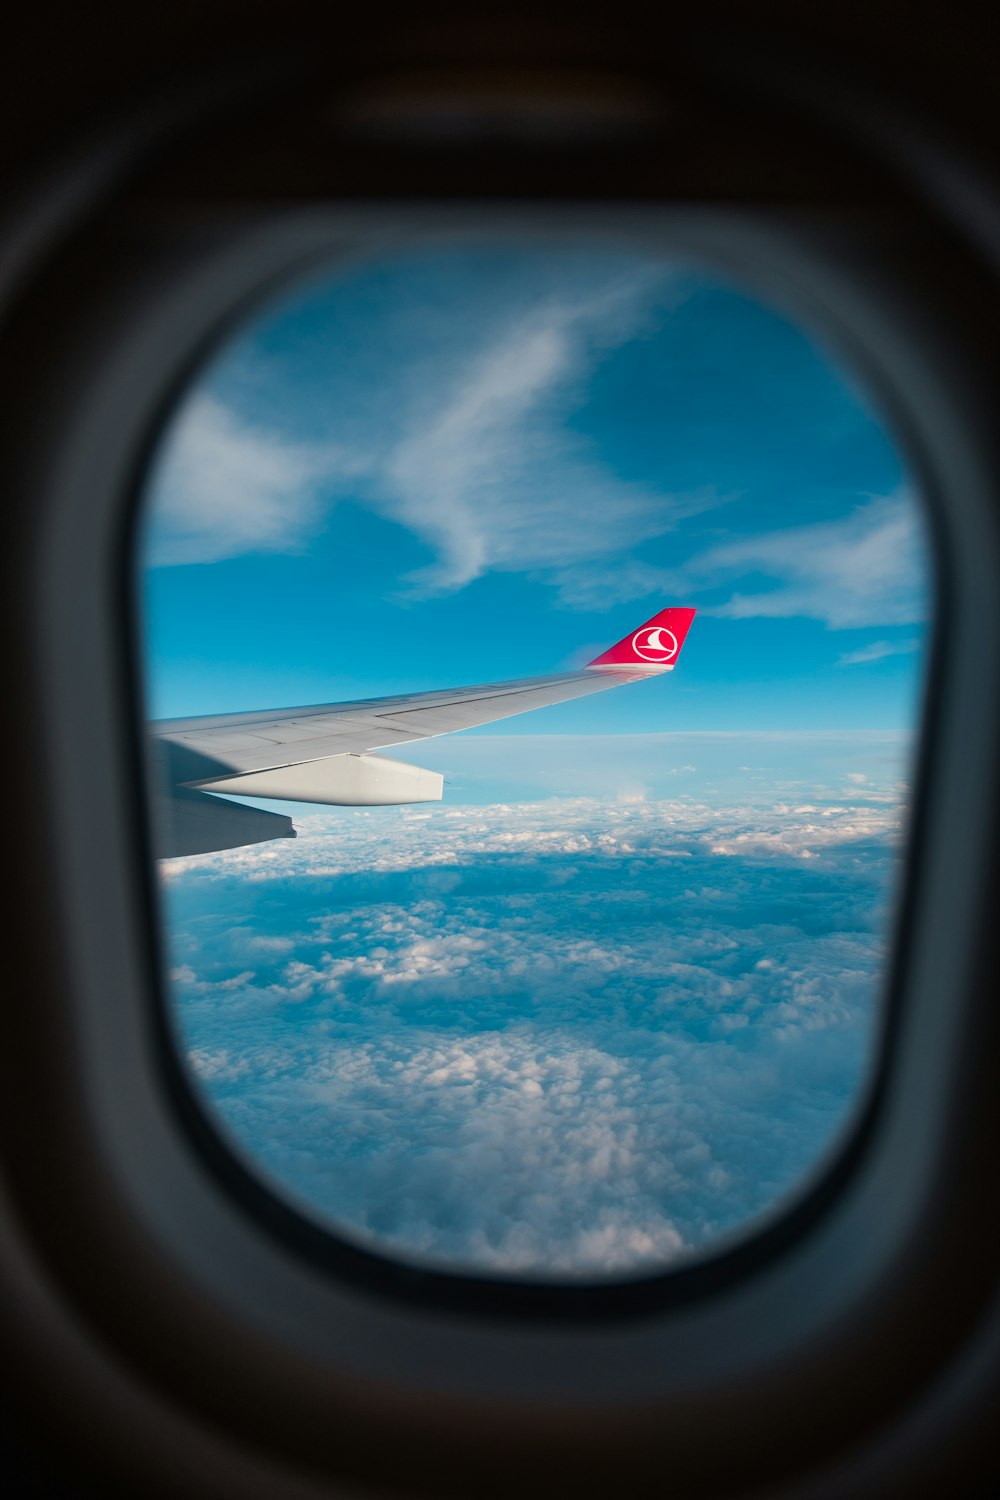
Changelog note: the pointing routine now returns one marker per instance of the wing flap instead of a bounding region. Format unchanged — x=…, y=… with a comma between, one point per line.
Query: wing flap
x=338, y=781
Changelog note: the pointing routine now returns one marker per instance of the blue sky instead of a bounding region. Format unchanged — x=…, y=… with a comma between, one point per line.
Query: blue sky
x=461, y=467
x=618, y=994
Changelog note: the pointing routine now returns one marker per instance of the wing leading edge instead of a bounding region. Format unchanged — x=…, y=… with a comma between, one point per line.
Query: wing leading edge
x=322, y=753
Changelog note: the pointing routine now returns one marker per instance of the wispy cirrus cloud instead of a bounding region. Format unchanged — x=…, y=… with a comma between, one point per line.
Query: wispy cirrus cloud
x=878, y=651
x=461, y=429
x=469, y=445
x=868, y=568
x=495, y=479
x=226, y=486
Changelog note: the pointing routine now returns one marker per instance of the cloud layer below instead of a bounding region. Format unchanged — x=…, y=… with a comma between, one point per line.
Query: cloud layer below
x=560, y=1038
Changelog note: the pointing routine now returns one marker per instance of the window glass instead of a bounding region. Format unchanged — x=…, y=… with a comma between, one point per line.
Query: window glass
x=615, y=997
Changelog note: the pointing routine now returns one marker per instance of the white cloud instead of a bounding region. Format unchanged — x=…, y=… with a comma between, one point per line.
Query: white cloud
x=467, y=445
x=869, y=568
x=459, y=426
x=226, y=486
x=877, y=651
x=330, y=845
x=574, y=1054
x=492, y=477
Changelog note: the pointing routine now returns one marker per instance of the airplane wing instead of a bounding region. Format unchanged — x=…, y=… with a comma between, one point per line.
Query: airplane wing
x=323, y=753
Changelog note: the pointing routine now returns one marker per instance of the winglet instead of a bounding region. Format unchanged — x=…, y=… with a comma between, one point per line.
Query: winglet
x=654, y=647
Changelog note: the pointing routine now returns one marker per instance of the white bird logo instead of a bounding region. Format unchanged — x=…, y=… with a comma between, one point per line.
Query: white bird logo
x=654, y=643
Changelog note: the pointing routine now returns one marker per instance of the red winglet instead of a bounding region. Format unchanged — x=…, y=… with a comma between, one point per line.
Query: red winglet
x=655, y=646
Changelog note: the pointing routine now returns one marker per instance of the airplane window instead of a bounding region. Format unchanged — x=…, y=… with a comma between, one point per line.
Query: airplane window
x=534, y=641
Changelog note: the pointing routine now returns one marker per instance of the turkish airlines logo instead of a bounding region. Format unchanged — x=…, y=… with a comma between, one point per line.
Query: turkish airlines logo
x=655, y=643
